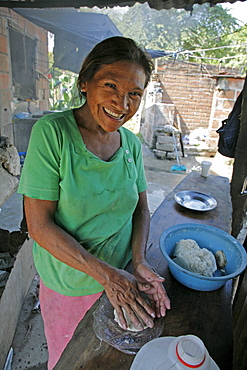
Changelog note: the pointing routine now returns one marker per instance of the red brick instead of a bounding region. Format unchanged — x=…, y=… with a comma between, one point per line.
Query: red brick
x=216, y=124
x=227, y=94
x=1, y=24
x=220, y=115
x=3, y=44
x=44, y=37
x=4, y=65
x=235, y=84
x=228, y=104
x=4, y=81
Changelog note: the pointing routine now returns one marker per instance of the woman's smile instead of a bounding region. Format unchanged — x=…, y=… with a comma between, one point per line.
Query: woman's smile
x=111, y=114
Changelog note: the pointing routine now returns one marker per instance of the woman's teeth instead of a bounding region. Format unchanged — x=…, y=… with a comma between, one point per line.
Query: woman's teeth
x=112, y=114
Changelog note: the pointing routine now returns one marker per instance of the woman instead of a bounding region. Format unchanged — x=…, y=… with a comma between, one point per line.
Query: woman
x=85, y=199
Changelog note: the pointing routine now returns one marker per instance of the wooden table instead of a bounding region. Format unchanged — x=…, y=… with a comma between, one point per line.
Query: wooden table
x=205, y=314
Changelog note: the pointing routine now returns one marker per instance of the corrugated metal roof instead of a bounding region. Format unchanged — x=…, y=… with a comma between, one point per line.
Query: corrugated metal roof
x=156, y=4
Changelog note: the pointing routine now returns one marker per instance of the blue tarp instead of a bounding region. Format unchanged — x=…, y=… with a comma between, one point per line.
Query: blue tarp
x=76, y=33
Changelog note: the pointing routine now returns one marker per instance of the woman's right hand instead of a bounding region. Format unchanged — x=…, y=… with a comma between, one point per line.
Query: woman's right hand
x=122, y=291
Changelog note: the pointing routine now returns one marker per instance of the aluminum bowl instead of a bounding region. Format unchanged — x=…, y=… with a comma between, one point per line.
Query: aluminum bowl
x=208, y=237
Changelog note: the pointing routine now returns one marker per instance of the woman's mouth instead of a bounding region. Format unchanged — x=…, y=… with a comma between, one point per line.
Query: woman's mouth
x=112, y=114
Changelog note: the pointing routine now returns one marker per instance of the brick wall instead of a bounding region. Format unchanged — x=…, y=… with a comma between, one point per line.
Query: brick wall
x=226, y=92
x=203, y=95
x=8, y=105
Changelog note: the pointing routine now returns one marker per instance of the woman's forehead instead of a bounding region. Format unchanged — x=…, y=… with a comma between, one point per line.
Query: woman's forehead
x=122, y=70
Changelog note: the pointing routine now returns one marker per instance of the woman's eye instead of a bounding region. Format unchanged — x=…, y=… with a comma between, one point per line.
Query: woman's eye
x=110, y=85
x=135, y=94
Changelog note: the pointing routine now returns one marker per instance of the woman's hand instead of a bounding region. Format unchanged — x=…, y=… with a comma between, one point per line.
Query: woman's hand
x=122, y=291
x=151, y=283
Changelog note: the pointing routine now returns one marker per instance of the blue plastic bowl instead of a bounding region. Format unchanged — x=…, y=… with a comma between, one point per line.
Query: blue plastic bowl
x=206, y=237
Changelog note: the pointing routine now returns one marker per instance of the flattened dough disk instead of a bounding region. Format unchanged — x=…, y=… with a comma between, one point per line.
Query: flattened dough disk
x=108, y=330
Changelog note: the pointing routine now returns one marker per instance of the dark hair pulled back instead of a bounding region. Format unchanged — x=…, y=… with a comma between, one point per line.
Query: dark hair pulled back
x=111, y=50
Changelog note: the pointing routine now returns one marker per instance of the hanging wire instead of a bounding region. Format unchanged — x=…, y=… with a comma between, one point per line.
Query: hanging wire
x=209, y=49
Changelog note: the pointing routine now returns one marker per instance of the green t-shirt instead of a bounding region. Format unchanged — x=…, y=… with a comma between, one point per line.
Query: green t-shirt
x=96, y=199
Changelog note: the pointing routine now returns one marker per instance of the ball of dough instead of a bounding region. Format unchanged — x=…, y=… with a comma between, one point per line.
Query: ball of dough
x=190, y=256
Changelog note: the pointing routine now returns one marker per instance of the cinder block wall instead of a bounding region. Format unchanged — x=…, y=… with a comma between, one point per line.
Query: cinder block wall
x=8, y=106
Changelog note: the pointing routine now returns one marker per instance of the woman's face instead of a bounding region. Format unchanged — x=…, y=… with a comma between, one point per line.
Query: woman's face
x=114, y=94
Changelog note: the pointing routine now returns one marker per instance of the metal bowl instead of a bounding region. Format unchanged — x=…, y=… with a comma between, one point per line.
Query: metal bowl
x=195, y=200
x=208, y=237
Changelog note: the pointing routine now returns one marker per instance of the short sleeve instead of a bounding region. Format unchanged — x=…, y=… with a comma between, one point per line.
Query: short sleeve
x=40, y=173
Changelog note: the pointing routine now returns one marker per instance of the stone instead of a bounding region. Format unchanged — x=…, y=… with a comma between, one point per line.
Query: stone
x=9, y=156
x=9, y=169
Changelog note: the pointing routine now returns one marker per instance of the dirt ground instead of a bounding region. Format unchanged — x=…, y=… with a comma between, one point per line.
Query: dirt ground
x=29, y=344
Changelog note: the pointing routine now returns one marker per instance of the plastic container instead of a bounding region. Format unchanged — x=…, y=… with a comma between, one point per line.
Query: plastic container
x=208, y=237
x=174, y=353
x=187, y=352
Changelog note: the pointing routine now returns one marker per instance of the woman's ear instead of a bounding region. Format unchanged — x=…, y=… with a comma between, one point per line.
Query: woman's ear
x=83, y=87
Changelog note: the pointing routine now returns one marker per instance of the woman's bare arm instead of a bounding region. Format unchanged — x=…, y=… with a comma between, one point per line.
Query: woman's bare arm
x=120, y=286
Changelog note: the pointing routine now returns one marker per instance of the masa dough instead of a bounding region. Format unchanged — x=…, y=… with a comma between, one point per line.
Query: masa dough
x=130, y=325
x=190, y=256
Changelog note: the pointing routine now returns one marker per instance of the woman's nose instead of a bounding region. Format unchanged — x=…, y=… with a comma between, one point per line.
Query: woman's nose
x=123, y=101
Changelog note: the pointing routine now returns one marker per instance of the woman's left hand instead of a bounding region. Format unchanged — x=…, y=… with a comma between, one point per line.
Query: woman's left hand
x=151, y=283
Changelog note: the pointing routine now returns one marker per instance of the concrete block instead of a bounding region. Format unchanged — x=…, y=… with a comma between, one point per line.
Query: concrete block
x=164, y=139
x=172, y=155
x=166, y=147
x=167, y=129
x=159, y=153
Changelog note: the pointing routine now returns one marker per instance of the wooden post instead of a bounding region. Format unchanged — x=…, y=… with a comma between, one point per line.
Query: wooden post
x=239, y=175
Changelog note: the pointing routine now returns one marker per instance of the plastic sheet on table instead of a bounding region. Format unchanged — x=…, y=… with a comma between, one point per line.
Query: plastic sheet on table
x=108, y=330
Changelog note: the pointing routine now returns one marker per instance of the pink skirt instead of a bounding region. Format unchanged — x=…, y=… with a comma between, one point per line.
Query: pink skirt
x=61, y=315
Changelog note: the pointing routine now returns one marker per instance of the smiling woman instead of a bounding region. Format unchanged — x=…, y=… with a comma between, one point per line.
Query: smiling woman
x=85, y=199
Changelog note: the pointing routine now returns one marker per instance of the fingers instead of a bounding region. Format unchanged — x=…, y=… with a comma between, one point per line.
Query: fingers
x=137, y=316
x=155, y=277
x=125, y=294
x=145, y=308
x=156, y=293
x=139, y=312
x=145, y=273
x=150, y=282
x=162, y=302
